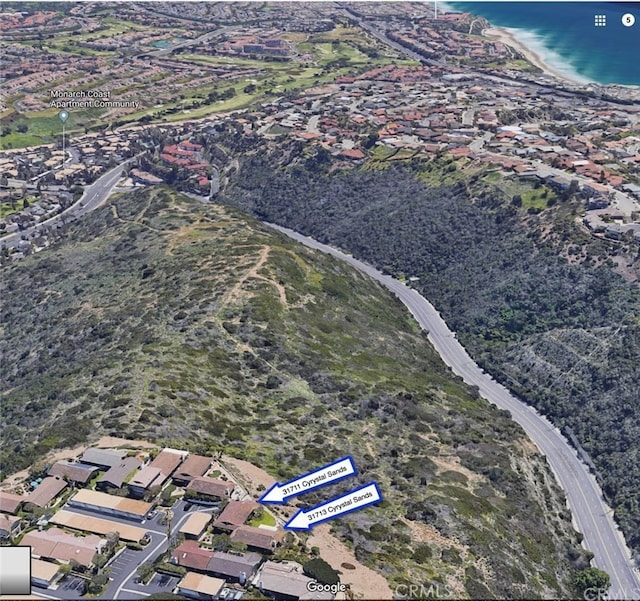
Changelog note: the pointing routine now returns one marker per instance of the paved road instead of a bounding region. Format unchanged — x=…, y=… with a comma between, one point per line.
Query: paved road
x=591, y=515
x=123, y=569
x=187, y=43
x=125, y=580
x=93, y=196
x=624, y=202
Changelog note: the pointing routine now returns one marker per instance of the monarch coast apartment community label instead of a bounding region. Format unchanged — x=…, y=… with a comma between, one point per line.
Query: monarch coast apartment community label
x=15, y=570
x=69, y=99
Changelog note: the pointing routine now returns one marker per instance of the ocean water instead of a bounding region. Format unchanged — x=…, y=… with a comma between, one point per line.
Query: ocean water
x=564, y=35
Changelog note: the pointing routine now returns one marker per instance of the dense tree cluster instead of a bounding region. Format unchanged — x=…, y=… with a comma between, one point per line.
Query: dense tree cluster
x=564, y=336
x=148, y=323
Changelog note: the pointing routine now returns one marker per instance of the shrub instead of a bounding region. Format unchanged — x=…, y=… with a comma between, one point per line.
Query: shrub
x=319, y=569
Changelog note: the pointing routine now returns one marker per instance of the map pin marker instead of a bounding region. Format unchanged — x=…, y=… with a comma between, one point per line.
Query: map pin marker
x=63, y=116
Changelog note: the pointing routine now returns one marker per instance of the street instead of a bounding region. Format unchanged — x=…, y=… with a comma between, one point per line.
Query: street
x=93, y=196
x=591, y=514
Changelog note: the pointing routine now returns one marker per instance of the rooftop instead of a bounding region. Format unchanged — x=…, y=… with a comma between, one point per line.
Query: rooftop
x=196, y=523
x=46, y=491
x=105, y=501
x=86, y=523
x=103, y=457
x=205, y=585
x=210, y=486
x=235, y=513
x=193, y=466
x=9, y=503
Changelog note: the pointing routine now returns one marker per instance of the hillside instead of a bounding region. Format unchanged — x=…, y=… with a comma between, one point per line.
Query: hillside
x=539, y=304
x=193, y=325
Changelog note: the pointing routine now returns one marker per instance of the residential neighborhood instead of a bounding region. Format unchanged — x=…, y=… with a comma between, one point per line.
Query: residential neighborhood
x=176, y=521
x=127, y=110
x=470, y=110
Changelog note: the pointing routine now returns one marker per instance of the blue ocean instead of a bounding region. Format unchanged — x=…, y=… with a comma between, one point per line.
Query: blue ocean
x=564, y=35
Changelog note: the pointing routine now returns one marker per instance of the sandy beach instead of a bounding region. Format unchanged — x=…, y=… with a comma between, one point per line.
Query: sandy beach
x=508, y=39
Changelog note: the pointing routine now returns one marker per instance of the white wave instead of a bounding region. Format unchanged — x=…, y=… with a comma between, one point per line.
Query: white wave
x=556, y=62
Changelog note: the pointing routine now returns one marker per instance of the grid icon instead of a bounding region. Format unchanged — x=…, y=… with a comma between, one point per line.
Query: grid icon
x=600, y=20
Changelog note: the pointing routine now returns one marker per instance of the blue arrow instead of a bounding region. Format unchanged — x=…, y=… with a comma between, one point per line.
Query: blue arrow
x=352, y=501
x=334, y=472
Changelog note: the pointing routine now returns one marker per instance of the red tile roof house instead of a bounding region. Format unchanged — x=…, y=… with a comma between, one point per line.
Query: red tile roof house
x=61, y=546
x=174, y=150
x=209, y=489
x=10, y=503
x=235, y=514
x=257, y=539
x=157, y=472
x=193, y=466
x=191, y=556
x=80, y=473
x=354, y=154
x=46, y=491
x=187, y=145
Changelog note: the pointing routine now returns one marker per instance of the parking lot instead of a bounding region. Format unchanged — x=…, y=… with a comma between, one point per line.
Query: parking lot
x=71, y=587
x=162, y=583
x=121, y=565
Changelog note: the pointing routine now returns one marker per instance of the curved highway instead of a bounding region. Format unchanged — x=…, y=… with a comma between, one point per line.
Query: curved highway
x=591, y=514
x=94, y=195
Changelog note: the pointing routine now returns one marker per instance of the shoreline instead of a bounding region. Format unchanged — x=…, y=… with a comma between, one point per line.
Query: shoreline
x=506, y=37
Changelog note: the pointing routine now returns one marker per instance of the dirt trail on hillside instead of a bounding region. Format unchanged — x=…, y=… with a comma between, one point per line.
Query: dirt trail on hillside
x=254, y=273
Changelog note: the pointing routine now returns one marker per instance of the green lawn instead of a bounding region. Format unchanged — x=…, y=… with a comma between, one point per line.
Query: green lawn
x=44, y=127
x=537, y=198
x=275, y=78
x=531, y=197
x=266, y=519
x=6, y=209
x=382, y=153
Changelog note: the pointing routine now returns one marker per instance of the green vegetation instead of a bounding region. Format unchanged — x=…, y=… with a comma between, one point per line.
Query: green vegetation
x=145, y=572
x=170, y=568
x=320, y=570
x=42, y=127
x=194, y=326
x=591, y=578
x=523, y=194
x=535, y=299
x=7, y=208
x=330, y=54
x=262, y=518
